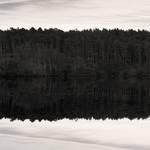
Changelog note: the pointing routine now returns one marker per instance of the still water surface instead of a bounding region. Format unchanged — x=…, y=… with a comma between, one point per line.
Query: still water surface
x=74, y=114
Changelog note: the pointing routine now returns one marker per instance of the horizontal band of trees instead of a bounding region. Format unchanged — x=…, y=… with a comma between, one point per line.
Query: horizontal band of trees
x=102, y=53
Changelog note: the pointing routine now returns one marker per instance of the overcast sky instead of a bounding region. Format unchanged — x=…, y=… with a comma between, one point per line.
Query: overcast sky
x=72, y=14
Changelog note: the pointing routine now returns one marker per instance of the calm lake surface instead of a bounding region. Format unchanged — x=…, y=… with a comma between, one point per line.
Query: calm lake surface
x=55, y=99
x=44, y=113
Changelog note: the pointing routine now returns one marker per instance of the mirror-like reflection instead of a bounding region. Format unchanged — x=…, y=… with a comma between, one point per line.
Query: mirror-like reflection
x=54, y=99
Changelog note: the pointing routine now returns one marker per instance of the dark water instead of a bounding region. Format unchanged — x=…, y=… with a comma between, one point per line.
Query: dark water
x=54, y=99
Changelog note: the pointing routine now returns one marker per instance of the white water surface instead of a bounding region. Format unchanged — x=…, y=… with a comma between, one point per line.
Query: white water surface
x=82, y=134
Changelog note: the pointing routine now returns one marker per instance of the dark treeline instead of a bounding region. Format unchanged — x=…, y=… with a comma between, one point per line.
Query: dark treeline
x=101, y=53
x=52, y=99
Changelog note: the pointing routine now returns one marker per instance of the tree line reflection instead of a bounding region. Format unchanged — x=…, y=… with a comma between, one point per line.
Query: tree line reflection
x=54, y=99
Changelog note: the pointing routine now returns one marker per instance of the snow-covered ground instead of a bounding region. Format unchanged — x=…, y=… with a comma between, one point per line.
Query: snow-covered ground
x=75, y=135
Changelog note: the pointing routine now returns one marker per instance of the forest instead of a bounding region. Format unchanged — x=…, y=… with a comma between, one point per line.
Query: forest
x=52, y=52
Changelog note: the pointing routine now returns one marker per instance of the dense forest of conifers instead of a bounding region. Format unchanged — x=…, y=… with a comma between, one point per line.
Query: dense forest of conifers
x=53, y=52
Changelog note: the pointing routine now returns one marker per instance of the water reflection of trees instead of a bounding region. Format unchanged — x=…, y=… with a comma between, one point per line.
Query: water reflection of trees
x=54, y=99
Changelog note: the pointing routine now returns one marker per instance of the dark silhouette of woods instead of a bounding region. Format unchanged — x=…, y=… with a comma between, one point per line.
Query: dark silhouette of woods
x=100, y=54
x=50, y=99
x=52, y=52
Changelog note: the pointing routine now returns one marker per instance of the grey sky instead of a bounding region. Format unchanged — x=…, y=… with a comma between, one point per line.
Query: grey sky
x=71, y=14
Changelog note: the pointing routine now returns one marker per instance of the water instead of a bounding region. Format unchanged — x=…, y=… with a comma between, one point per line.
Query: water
x=48, y=113
x=55, y=99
